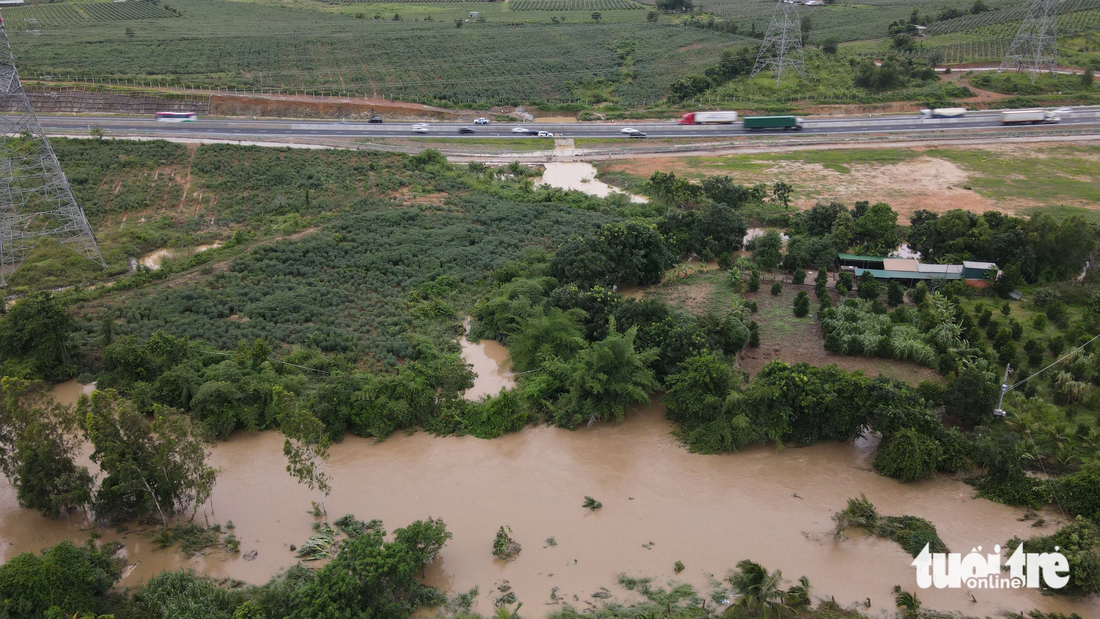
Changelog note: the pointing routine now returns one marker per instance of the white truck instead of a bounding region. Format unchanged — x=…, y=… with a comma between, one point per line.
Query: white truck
x=702, y=118
x=944, y=112
x=1032, y=117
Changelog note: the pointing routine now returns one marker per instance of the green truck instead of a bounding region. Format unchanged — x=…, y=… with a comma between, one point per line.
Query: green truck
x=773, y=122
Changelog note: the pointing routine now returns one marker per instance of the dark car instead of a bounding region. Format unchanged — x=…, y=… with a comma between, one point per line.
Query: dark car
x=376, y=120
x=465, y=129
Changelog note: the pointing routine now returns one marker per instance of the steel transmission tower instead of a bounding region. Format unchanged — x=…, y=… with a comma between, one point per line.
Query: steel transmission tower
x=1035, y=48
x=36, y=200
x=782, y=45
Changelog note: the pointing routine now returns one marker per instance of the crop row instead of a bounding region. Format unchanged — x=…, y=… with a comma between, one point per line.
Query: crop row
x=955, y=53
x=62, y=14
x=1014, y=14
x=404, y=1
x=574, y=5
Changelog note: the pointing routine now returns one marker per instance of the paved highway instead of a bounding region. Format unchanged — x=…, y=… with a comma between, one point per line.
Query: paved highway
x=276, y=129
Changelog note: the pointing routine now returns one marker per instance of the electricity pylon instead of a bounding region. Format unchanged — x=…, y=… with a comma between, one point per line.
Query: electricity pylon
x=782, y=45
x=1035, y=48
x=36, y=200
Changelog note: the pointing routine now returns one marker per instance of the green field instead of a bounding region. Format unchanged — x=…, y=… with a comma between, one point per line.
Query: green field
x=317, y=47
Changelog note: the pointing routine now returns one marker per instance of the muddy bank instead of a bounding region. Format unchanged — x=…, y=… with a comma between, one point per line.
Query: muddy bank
x=707, y=511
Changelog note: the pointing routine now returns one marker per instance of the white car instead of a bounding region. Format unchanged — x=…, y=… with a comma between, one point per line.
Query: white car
x=1064, y=112
x=481, y=121
x=520, y=130
x=420, y=128
x=545, y=134
x=629, y=130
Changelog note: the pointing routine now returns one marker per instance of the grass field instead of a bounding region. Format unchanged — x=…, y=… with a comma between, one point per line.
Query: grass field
x=1011, y=179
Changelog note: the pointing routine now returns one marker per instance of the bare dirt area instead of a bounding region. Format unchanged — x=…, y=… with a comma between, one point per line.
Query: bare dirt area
x=921, y=182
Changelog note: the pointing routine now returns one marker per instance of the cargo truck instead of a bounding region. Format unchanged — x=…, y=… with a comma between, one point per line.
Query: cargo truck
x=944, y=112
x=706, y=118
x=1034, y=117
x=773, y=122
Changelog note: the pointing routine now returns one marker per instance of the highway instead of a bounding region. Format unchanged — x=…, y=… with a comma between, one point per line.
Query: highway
x=279, y=129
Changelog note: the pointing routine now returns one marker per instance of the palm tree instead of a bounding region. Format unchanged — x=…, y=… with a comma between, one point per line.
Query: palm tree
x=908, y=602
x=758, y=593
x=798, y=596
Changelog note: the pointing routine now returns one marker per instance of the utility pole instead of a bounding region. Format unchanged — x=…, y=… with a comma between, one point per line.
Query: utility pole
x=999, y=412
x=1035, y=48
x=36, y=201
x=782, y=45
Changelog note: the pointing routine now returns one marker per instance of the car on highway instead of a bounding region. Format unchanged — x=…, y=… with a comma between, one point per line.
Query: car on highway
x=632, y=132
x=376, y=120
x=545, y=134
x=481, y=121
x=420, y=128
x=523, y=130
x=465, y=129
x=1064, y=112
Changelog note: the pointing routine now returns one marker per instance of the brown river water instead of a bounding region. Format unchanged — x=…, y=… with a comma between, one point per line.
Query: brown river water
x=660, y=504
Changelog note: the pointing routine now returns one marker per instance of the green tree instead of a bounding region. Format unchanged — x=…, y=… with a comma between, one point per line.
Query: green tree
x=602, y=380
x=801, y=304
x=895, y=294
x=781, y=192
x=157, y=467
x=754, y=281
x=878, y=228
x=371, y=577
x=907, y=455
x=767, y=249
x=35, y=339
x=38, y=449
x=868, y=286
x=777, y=287
x=829, y=45
x=970, y=397
x=798, y=277
x=65, y=581
x=555, y=334
x=1087, y=78
x=306, y=445
x=756, y=592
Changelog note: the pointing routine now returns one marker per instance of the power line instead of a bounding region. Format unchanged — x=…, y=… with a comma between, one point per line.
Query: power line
x=782, y=45
x=1035, y=47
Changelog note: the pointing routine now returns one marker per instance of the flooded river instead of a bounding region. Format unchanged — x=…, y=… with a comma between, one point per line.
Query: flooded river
x=661, y=504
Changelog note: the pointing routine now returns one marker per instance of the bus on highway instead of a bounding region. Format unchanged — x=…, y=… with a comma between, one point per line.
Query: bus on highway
x=176, y=117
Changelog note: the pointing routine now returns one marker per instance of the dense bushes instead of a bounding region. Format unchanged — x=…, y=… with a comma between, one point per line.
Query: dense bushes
x=1031, y=249
x=801, y=404
x=65, y=580
x=369, y=576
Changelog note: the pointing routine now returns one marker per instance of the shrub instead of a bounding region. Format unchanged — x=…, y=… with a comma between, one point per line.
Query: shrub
x=754, y=281
x=895, y=295
x=1006, y=309
x=801, y=304
x=777, y=288
x=504, y=547
x=798, y=277
x=919, y=293
x=970, y=397
x=907, y=455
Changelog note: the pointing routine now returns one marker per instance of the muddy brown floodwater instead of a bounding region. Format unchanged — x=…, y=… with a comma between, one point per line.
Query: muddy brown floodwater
x=661, y=504
x=490, y=362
